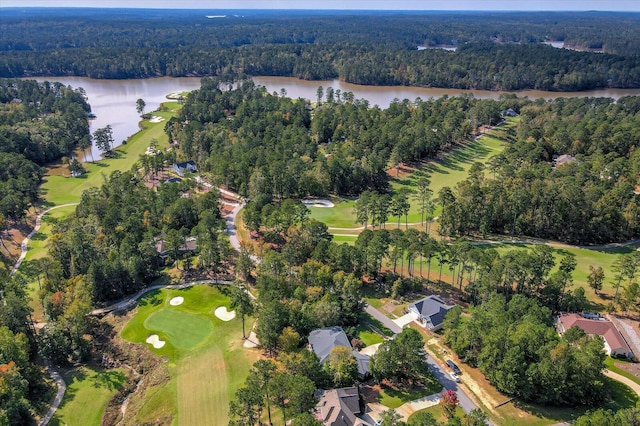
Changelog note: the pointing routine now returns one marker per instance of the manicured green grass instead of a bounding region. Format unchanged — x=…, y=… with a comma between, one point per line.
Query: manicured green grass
x=369, y=337
x=208, y=363
x=183, y=330
x=452, y=168
x=348, y=239
x=88, y=391
x=183, y=327
x=394, y=398
x=340, y=216
x=610, y=364
x=437, y=413
x=63, y=190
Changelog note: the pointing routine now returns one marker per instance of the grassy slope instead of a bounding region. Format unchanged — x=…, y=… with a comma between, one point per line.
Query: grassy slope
x=447, y=171
x=88, y=391
x=63, y=190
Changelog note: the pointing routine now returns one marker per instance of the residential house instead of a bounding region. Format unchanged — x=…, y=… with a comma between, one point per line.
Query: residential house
x=429, y=312
x=186, y=167
x=323, y=340
x=509, y=113
x=563, y=159
x=190, y=245
x=339, y=407
x=614, y=343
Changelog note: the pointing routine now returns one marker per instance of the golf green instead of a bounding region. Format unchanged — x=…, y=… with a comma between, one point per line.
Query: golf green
x=181, y=329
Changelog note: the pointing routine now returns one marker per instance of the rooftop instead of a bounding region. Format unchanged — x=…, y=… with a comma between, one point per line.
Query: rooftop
x=603, y=328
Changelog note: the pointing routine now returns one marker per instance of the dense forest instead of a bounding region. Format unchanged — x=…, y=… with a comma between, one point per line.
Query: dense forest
x=261, y=143
x=590, y=198
x=39, y=122
x=495, y=51
x=266, y=145
x=517, y=348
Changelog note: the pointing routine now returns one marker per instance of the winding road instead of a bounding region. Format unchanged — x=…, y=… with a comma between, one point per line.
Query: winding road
x=25, y=243
x=55, y=374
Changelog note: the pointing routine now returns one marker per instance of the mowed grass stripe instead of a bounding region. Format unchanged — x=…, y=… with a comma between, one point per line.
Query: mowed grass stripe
x=203, y=397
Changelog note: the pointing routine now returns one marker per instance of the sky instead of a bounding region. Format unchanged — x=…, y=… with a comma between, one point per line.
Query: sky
x=580, y=5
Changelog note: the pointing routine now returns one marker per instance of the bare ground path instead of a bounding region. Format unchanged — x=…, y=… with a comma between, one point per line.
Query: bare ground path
x=620, y=378
x=25, y=243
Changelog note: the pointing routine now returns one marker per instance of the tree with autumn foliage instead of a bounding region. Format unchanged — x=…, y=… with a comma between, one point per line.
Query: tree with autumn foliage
x=449, y=403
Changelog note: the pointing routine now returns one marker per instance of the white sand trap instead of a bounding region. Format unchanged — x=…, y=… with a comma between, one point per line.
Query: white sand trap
x=225, y=315
x=176, y=301
x=155, y=341
x=318, y=202
x=251, y=341
x=156, y=119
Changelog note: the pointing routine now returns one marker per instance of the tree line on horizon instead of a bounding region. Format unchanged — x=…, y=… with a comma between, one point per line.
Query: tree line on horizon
x=495, y=51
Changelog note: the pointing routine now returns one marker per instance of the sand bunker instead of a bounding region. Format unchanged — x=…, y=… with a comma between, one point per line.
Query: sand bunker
x=176, y=301
x=156, y=119
x=318, y=202
x=155, y=341
x=225, y=315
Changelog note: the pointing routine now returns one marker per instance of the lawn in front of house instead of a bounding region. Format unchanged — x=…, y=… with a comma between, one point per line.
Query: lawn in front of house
x=88, y=391
x=437, y=413
x=394, y=398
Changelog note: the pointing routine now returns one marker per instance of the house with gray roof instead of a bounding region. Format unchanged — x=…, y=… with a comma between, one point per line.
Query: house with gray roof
x=187, y=167
x=429, y=312
x=323, y=340
x=340, y=407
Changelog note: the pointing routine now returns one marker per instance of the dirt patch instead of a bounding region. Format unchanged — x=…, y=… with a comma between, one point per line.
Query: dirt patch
x=147, y=372
x=629, y=367
x=401, y=171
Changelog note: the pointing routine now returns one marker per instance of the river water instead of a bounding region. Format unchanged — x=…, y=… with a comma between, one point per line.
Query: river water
x=114, y=101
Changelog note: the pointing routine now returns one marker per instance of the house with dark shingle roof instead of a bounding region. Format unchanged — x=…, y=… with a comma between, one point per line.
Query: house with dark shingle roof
x=614, y=343
x=186, y=167
x=323, y=340
x=429, y=312
x=339, y=407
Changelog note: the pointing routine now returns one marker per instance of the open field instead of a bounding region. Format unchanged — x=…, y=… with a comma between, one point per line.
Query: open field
x=207, y=360
x=88, y=391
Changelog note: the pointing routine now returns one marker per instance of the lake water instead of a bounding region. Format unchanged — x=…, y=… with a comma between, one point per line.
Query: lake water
x=114, y=101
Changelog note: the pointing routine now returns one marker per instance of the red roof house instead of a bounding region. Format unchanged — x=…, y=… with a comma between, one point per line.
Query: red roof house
x=614, y=343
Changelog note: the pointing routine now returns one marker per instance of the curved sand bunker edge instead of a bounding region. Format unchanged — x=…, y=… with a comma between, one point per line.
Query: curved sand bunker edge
x=223, y=314
x=155, y=341
x=178, y=300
